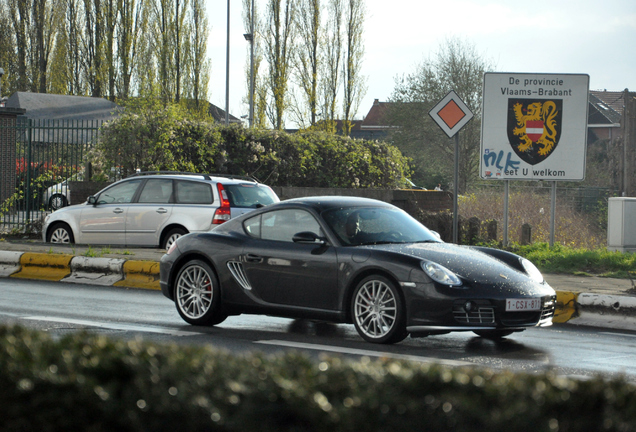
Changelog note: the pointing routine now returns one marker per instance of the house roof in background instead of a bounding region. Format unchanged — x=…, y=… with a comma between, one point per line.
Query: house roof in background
x=376, y=116
x=218, y=114
x=44, y=106
x=601, y=113
x=613, y=99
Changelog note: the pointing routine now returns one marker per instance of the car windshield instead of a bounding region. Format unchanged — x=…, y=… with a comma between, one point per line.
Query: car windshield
x=249, y=195
x=356, y=226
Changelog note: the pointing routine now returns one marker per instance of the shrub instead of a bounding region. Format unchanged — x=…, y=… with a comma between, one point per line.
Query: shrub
x=165, y=139
x=85, y=382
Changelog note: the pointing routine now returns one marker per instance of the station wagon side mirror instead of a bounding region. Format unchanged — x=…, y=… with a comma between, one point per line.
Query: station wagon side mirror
x=308, y=237
x=92, y=200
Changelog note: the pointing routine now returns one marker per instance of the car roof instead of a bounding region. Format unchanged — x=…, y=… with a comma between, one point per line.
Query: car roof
x=322, y=203
x=218, y=178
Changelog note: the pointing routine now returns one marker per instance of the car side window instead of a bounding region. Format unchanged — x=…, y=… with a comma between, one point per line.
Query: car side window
x=190, y=192
x=253, y=226
x=157, y=191
x=281, y=225
x=120, y=193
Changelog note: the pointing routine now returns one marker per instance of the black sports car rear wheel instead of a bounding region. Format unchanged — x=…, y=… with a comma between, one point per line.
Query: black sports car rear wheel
x=197, y=294
x=378, y=311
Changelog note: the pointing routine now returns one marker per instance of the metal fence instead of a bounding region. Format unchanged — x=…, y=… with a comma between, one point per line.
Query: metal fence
x=47, y=153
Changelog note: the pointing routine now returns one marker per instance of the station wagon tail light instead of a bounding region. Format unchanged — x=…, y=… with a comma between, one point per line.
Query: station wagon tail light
x=223, y=213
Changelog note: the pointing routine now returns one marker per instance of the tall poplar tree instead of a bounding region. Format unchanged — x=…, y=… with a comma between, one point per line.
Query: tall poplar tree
x=279, y=39
x=308, y=58
x=330, y=71
x=354, y=81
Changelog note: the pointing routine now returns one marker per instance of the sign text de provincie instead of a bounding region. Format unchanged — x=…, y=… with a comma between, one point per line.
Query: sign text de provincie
x=534, y=126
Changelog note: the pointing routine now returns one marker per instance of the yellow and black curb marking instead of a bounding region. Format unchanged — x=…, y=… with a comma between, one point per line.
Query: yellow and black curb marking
x=566, y=306
x=79, y=269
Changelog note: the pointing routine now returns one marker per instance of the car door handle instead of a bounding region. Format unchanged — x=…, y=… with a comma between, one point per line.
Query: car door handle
x=253, y=258
x=162, y=210
x=118, y=210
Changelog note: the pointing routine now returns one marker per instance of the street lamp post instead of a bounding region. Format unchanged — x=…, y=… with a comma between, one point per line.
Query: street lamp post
x=250, y=37
x=227, y=69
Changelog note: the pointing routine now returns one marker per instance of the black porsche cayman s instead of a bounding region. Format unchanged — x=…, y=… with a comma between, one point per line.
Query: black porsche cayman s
x=352, y=260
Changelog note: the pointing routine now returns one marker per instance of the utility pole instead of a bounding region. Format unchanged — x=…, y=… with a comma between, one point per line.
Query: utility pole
x=227, y=69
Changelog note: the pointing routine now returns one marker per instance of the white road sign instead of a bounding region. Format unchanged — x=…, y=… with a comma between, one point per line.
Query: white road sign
x=534, y=126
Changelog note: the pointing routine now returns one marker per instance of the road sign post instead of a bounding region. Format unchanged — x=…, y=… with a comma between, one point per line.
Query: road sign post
x=451, y=114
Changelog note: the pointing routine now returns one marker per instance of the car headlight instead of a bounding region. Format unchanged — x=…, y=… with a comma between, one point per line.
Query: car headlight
x=440, y=274
x=532, y=270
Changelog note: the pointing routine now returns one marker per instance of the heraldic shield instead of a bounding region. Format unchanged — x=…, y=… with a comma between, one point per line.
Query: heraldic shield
x=534, y=127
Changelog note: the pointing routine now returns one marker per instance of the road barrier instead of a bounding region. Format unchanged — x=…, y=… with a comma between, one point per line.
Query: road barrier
x=80, y=269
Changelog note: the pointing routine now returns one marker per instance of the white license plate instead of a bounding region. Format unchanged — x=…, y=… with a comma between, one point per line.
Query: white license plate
x=523, y=304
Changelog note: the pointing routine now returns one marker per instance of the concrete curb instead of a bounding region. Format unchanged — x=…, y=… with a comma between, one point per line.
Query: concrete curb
x=580, y=308
x=596, y=310
x=79, y=269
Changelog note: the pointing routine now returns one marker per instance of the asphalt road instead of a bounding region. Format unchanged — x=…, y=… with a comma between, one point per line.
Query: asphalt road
x=59, y=308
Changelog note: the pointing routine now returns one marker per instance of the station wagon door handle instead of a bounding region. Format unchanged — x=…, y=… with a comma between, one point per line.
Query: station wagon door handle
x=253, y=258
x=118, y=210
x=162, y=210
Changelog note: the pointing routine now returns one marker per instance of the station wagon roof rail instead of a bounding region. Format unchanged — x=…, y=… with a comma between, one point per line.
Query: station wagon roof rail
x=205, y=176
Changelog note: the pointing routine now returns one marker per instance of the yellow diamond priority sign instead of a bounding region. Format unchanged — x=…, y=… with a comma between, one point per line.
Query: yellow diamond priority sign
x=451, y=114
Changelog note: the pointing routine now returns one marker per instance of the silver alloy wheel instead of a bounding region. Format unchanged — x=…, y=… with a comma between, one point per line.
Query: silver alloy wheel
x=171, y=239
x=60, y=235
x=57, y=202
x=375, y=309
x=195, y=292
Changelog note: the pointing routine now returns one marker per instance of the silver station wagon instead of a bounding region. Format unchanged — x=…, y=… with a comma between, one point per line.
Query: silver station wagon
x=153, y=210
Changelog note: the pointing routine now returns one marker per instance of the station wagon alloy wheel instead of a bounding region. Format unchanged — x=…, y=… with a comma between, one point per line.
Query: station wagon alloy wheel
x=57, y=202
x=196, y=294
x=60, y=233
x=378, y=312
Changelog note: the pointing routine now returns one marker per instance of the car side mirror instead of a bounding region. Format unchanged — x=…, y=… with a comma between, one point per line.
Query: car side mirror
x=308, y=237
x=92, y=200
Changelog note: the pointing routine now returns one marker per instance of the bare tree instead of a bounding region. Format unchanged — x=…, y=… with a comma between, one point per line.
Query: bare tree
x=8, y=53
x=93, y=46
x=308, y=57
x=279, y=37
x=330, y=79
x=132, y=23
x=457, y=66
x=354, y=81
x=198, y=65
x=35, y=24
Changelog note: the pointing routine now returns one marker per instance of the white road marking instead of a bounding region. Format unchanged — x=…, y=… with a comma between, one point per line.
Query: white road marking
x=113, y=326
x=368, y=353
x=619, y=334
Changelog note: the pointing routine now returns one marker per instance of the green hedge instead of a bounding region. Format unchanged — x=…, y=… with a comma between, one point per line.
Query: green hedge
x=166, y=139
x=93, y=383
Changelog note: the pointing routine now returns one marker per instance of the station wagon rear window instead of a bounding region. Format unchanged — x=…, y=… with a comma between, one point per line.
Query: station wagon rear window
x=189, y=192
x=249, y=195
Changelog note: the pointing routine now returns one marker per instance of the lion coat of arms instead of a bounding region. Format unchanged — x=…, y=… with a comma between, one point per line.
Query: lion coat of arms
x=534, y=127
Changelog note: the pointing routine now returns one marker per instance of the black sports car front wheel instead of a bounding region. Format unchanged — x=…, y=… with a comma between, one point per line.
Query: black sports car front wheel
x=197, y=294
x=378, y=311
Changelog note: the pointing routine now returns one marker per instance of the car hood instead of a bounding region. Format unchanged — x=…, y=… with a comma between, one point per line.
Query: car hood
x=471, y=265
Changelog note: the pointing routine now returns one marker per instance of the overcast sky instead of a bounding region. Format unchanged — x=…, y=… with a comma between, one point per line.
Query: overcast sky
x=593, y=37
